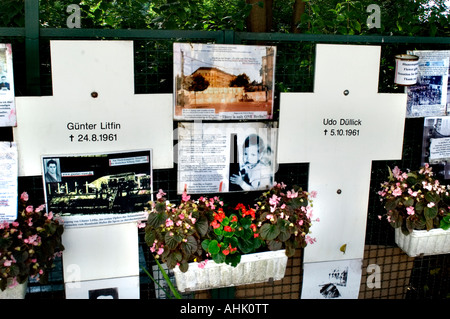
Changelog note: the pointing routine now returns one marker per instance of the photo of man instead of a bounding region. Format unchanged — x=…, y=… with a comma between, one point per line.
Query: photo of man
x=4, y=85
x=52, y=174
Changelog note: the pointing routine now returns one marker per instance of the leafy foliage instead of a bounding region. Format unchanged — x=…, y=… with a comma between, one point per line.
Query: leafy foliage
x=398, y=17
x=29, y=245
x=206, y=228
x=235, y=235
x=415, y=200
x=285, y=218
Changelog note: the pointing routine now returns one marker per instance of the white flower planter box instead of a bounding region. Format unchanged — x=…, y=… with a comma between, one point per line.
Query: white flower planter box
x=422, y=242
x=253, y=268
x=17, y=292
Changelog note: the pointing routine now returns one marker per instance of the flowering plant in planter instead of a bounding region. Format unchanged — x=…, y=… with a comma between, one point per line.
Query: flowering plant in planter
x=285, y=218
x=198, y=230
x=235, y=235
x=174, y=233
x=415, y=200
x=29, y=244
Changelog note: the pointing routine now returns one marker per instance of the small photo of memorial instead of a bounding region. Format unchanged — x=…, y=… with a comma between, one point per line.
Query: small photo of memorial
x=112, y=183
x=226, y=82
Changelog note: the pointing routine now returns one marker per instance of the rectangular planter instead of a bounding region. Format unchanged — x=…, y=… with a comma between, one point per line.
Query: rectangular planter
x=253, y=268
x=421, y=242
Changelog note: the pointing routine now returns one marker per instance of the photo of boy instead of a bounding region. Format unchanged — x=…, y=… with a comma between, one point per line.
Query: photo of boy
x=255, y=168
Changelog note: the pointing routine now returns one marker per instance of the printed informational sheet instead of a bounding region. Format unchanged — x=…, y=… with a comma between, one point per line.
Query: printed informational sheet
x=98, y=189
x=225, y=157
x=223, y=82
x=7, y=105
x=436, y=145
x=339, y=279
x=429, y=96
x=8, y=181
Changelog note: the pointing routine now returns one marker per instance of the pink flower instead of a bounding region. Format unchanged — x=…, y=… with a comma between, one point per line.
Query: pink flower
x=313, y=194
x=292, y=194
x=169, y=222
x=430, y=204
x=397, y=192
x=141, y=224
x=410, y=210
x=202, y=264
x=160, y=251
x=185, y=197
x=310, y=240
x=24, y=196
x=29, y=209
x=274, y=200
x=160, y=194
x=13, y=283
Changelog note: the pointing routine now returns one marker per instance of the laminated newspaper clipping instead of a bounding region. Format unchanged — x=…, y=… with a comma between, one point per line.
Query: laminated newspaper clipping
x=436, y=145
x=8, y=181
x=7, y=106
x=98, y=189
x=223, y=82
x=225, y=157
x=429, y=96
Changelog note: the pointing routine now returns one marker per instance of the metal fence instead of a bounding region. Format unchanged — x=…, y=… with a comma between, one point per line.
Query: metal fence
x=403, y=277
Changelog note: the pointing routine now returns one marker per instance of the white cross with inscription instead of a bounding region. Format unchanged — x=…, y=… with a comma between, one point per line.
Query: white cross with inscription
x=94, y=109
x=340, y=129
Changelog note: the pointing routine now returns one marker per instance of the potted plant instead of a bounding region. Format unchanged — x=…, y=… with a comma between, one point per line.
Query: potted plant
x=417, y=206
x=28, y=246
x=226, y=245
x=285, y=218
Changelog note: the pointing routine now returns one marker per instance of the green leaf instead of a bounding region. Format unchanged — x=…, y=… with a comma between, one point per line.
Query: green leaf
x=218, y=258
x=269, y=231
x=430, y=197
x=172, y=241
x=274, y=245
x=157, y=219
x=246, y=246
x=150, y=237
x=233, y=259
x=284, y=235
x=430, y=212
x=205, y=244
x=213, y=247
x=246, y=222
x=202, y=225
x=190, y=246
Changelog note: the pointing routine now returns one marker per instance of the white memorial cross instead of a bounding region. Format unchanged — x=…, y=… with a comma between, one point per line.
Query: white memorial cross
x=94, y=109
x=340, y=129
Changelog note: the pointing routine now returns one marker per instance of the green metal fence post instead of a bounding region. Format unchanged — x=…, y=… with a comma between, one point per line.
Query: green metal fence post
x=32, y=46
x=228, y=37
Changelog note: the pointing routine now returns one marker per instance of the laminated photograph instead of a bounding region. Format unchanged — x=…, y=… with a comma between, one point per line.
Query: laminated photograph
x=98, y=189
x=429, y=96
x=223, y=82
x=436, y=145
x=8, y=181
x=225, y=157
x=7, y=105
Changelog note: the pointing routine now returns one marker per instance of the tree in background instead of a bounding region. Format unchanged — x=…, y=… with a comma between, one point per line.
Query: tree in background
x=398, y=17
